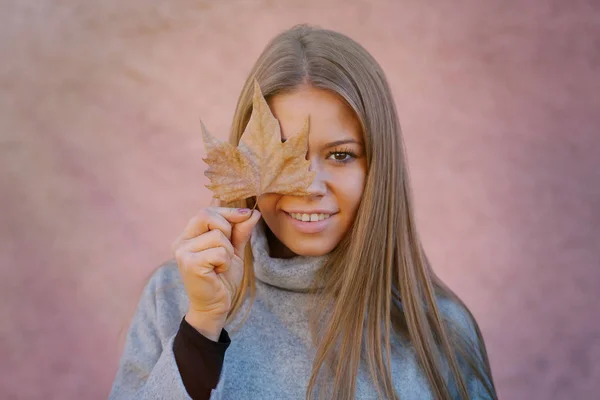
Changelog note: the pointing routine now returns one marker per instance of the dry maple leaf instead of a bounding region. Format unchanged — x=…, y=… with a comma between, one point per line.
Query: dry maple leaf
x=261, y=163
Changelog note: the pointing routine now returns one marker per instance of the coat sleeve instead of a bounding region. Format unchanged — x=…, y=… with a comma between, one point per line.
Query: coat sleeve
x=148, y=368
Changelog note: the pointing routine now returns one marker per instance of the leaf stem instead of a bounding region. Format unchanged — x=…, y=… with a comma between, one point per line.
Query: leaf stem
x=255, y=204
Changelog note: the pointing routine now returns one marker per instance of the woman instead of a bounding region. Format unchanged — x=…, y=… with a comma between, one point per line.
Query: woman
x=333, y=297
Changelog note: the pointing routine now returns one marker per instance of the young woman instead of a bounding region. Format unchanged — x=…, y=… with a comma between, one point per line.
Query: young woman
x=326, y=296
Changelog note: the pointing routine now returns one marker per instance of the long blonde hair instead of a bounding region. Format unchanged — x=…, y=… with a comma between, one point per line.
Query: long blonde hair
x=378, y=278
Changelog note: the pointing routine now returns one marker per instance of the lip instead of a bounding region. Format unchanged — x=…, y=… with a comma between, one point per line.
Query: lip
x=317, y=211
x=310, y=227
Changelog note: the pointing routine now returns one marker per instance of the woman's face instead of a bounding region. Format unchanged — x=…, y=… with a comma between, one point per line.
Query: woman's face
x=313, y=225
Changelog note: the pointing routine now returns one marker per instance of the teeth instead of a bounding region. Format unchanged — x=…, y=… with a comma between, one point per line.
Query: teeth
x=309, y=217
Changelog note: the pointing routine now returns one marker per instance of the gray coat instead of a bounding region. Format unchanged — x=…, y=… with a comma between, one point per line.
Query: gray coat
x=270, y=356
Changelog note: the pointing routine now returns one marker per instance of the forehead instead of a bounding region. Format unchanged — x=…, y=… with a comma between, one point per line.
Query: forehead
x=330, y=117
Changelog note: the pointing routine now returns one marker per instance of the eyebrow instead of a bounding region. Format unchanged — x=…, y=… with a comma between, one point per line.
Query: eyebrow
x=336, y=143
x=340, y=142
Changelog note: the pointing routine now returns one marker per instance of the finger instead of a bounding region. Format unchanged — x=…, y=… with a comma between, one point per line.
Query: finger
x=233, y=215
x=206, y=219
x=215, y=218
x=204, y=262
x=242, y=231
x=208, y=240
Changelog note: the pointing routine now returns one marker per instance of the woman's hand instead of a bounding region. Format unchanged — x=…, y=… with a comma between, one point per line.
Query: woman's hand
x=210, y=256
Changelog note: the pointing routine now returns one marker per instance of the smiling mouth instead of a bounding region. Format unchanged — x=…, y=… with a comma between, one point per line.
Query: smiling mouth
x=309, y=217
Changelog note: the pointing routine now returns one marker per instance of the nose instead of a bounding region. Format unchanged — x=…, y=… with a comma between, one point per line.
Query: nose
x=318, y=187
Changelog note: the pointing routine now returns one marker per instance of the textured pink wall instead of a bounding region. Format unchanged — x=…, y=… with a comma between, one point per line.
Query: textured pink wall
x=100, y=167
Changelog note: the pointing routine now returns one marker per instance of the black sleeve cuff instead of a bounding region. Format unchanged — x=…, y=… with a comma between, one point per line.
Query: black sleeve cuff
x=199, y=360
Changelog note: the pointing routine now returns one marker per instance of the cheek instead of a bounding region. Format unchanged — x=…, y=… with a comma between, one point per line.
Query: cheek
x=349, y=188
x=267, y=203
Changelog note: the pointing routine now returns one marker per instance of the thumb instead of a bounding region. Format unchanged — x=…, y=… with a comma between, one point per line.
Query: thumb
x=240, y=233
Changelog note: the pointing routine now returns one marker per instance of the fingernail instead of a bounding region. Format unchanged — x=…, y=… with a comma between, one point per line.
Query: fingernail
x=244, y=211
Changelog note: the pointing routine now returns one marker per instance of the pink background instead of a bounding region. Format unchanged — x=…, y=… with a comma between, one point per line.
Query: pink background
x=100, y=167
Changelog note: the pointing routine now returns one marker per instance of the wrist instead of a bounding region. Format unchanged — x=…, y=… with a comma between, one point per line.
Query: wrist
x=206, y=324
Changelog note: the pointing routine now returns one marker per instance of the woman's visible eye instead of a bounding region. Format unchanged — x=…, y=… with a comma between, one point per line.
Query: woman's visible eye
x=341, y=156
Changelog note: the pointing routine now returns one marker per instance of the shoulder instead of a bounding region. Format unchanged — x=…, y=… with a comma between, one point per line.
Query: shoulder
x=165, y=277
x=458, y=317
x=165, y=293
x=472, y=354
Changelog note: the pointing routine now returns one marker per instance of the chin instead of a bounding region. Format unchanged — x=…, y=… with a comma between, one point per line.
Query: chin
x=308, y=248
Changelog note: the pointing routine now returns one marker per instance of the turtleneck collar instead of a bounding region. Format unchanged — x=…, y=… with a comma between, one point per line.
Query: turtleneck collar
x=296, y=273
